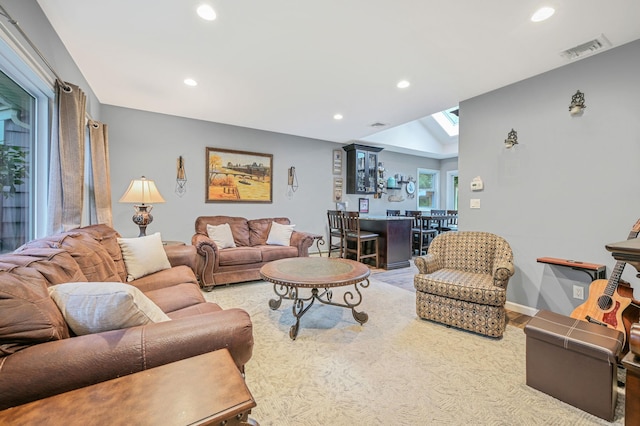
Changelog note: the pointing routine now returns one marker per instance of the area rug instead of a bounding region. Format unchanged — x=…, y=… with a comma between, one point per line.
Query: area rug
x=396, y=369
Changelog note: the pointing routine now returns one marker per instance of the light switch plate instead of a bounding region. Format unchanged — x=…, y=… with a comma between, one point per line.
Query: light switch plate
x=474, y=203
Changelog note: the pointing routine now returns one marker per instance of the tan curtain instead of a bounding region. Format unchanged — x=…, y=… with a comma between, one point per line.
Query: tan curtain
x=66, y=173
x=100, y=202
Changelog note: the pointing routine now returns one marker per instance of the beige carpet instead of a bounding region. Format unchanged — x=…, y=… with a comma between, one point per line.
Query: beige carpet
x=394, y=370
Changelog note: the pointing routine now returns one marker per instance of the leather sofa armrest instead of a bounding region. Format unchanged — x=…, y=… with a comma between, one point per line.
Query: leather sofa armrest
x=208, y=260
x=427, y=264
x=182, y=255
x=59, y=366
x=302, y=241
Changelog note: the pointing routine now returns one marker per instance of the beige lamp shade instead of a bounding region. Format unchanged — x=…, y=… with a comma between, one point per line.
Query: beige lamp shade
x=142, y=191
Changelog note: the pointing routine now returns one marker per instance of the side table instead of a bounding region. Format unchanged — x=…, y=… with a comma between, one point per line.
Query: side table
x=203, y=390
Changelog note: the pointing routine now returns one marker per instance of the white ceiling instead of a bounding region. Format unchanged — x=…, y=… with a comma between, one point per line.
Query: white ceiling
x=289, y=66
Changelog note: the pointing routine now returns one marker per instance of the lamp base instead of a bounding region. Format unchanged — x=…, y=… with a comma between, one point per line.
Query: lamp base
x=142, y=218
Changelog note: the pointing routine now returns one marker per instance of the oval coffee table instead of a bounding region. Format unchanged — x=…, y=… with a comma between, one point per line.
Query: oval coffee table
x=290, y=275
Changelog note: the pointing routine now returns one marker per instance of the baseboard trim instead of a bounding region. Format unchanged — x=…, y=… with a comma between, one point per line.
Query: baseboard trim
x=521, y=309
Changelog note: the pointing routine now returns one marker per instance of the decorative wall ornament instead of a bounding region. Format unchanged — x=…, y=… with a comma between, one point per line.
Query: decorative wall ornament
x=511, y=140
x=181, y=178
x=577, y=104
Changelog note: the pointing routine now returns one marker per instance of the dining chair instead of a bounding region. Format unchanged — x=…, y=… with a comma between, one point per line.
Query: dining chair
x=421, y=236
x=440, y=224
x=334, y=217
x=393, y=212
x=358, y=239
x=452, y=223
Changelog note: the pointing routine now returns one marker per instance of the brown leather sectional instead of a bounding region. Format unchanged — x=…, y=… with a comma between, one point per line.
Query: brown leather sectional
x=40, y=356
x=242, y=263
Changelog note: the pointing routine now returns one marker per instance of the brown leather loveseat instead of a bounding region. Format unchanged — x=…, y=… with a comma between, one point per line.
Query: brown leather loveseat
x=41, y=355
x=251, y=249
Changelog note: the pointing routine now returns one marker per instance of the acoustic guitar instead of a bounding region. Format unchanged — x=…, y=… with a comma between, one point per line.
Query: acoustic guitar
x=605, y=304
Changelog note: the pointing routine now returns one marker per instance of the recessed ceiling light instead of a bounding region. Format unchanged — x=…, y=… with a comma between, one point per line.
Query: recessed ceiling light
x=337, y=117
x=403, y=84
x=206, y=12
x=190, y=82
x=542, y=14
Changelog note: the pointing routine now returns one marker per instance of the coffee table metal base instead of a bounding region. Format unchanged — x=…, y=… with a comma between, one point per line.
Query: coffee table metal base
x=290, y=292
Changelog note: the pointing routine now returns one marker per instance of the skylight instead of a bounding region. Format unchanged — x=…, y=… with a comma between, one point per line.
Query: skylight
x=448, y=120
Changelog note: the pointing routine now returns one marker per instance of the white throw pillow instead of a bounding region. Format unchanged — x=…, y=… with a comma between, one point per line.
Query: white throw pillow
x=143, y=255
x=94, y=307
x=221, y=235
x=280, y=235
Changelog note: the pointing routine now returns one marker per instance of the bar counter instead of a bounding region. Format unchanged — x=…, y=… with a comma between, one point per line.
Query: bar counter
x=394, y=241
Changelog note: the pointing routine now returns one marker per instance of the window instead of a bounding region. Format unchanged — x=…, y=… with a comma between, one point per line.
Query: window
x=24, y=111
x=427, y=189
x=16, y=137
x=452, y=190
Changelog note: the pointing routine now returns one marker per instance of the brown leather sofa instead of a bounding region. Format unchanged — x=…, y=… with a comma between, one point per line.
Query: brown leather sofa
x=39, y=354
x=218, y=266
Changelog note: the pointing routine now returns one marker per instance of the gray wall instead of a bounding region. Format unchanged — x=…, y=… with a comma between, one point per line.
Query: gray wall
x=571, y=185
x=145, y=143
x=37, y=27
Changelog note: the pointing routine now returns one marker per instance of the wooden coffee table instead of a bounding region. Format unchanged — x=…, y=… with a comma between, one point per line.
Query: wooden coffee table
x=202, y=390
x=319, y=274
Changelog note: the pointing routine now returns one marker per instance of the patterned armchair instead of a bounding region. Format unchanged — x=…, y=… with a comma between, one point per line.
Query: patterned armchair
x=462, y=281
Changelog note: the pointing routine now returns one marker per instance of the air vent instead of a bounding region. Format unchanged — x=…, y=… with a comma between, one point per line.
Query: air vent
x=378, y=124
x=588, y=48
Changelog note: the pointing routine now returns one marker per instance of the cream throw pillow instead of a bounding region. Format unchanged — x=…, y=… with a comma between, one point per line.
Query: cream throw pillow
x=221, y=235
x=94, y=307
x=280, y=235
x=143, y=255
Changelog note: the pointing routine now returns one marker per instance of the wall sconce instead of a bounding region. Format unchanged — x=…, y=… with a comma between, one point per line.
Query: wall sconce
x=142, y=191
x=511, y=140
x=577, y=104
x=181, y=178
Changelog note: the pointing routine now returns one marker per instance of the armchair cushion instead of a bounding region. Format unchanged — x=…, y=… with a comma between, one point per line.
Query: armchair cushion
x=96, y=307
x=143, y=255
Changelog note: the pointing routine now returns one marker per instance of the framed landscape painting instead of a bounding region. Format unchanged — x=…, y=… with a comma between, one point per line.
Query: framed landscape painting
x=238, y=176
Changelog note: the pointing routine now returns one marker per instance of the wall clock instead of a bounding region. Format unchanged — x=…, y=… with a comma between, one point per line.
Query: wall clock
x=411, y=187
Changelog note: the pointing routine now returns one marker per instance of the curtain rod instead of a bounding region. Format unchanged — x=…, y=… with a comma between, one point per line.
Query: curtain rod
x=12, y=21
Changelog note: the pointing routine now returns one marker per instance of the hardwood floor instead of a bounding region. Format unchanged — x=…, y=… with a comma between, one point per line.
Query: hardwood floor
x=403, y=278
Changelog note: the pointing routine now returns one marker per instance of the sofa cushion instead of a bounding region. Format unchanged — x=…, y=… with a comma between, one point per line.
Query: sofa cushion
x=92, y=258
x=176, y=297
x=240, y=256
x=108, y=239
x=96, y=307
x=143, y=255
x=221, y=235
x=280, y=235
x=259, y=229
x=55, y=265
x=271, y=253
x=28, y=316
x=461, y=285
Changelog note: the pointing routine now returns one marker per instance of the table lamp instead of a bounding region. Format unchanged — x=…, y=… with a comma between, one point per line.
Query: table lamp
x=142, y=191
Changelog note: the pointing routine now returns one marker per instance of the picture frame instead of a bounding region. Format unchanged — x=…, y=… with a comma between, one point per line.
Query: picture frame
x=337, y=161
x=364, y=205
x=238, y=176
x=342, y=207
x=337, y=189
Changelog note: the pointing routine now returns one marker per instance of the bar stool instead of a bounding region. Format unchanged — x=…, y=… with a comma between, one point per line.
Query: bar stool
x=334, y=217
x=353, y=234
x=393, y=212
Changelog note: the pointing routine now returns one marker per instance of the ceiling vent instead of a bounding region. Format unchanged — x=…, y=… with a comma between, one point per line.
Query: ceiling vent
x=589, y=48
x=378, y=124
